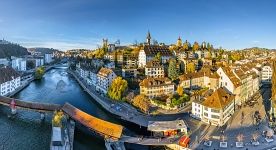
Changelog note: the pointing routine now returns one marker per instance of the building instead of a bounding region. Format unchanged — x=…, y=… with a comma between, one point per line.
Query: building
x=37, y=61
x=48, y=58
x=202, y=79
x=130, y=60
x=87, y=72
x=104, y=79
x=19, y=64
x=215, y=109
x=153, y=68
x=9, y=80
x=150, y=51
x=4, y=61
x=167, y=128
x=230, y=81
x=266, y=74
x=129, y=72
x=156, y=87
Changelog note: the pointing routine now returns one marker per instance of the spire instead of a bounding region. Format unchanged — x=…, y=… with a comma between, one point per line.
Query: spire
x=148, y=38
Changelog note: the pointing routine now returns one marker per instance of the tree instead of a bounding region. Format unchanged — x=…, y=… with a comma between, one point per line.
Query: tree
x=180, y=90
x=172, y=70
x=209, y=46
x=190, y=67
x=39, y=72
x=30, y=64
x=186, y=46
x=142, y=102
x=158, y=57
x=57, y=119
x=117, y=88
x=273, y=88
x=195, y=46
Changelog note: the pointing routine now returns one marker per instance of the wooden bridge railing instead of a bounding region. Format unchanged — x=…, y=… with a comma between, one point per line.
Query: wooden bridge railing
x=30, y=105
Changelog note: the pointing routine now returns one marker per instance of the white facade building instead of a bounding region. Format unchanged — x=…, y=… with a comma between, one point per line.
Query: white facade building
x=148, y=52
x=266, y=74
x=19, y=64
x=9, y=80
x=48, y=58
x=104, y=79
x=154, y=69
x=216, y=109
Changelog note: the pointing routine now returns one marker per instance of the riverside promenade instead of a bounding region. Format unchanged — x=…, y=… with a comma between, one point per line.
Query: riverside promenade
x=124, y=111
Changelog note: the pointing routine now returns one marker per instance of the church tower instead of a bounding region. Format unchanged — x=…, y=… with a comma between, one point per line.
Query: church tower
x=148, y=38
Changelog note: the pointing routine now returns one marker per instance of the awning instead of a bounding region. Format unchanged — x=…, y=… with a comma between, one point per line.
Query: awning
x=184, y=141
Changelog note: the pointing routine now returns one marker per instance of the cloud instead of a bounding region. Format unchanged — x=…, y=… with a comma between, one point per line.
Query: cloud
x=58, y=43
x=61, y=45
x=256, y=41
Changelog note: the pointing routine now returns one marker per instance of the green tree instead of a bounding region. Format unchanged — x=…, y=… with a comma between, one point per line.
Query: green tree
x=117, y=88
x=142, y=102
x=209, y=46
x=39, y=72
x=172, y=70
x=158, y=56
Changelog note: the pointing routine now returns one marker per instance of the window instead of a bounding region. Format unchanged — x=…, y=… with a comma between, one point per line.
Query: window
x=206, y=114
x=214, y=111
x=214, y=116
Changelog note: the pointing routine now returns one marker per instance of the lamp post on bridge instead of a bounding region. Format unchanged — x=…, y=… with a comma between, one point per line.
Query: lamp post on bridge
x=13, y=107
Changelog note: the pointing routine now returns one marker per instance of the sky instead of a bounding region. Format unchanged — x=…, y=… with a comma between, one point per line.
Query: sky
x=69, y=24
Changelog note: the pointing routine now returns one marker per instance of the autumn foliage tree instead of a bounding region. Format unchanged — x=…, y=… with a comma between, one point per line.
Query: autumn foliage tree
x=195, y=46
x=179, y=90
x=142, y=102
x=57, y=119
x=39, y=72
x=117, y=88
x=190, y=67
x=273, y=88
x=186, y=46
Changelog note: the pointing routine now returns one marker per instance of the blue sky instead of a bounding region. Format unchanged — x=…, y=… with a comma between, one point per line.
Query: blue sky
x=67, y=24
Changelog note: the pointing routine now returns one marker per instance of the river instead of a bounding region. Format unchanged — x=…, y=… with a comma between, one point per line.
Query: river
x=27, y=131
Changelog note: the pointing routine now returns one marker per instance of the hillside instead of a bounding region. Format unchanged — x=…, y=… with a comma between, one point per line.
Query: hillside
x=8, y=50
x=42, y=50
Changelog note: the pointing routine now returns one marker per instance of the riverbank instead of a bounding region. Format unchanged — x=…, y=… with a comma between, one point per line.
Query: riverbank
x=25, y=83
x=125, y=112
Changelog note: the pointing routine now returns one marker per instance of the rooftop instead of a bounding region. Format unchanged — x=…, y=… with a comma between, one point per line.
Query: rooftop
x=150, y=82
x=219, y=99
x=7, y=74
x=166, y=125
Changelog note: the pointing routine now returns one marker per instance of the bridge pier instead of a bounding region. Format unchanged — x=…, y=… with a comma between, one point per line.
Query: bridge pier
x=13, y=107
x=114, y=145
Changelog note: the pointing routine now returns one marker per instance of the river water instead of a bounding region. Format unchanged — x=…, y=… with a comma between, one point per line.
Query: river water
x=27, y=131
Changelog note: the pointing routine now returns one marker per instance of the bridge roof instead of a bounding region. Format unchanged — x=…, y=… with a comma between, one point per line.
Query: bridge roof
x=30, y=105
x=103, y=127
